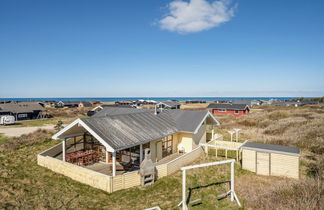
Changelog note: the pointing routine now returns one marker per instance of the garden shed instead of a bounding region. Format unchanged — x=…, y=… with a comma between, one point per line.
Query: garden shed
x=268, y=159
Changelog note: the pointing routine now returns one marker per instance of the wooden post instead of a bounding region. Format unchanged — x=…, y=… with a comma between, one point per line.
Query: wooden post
x=216, y=152
x=236, y=136
x=212, y=133
x=63, y=150
x=237, y=157
x=226, y=153
x=206, y=150
x=184, y=205
x=141, y=153
x=232, y=181
x=84, y=142
x=74, y=141
x=107, y=156
x=114, y=164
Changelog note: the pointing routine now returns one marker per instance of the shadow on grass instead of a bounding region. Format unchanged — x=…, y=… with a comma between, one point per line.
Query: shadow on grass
x=191, y=189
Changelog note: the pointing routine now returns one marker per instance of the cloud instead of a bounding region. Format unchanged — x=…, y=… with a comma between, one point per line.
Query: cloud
x=196, y=15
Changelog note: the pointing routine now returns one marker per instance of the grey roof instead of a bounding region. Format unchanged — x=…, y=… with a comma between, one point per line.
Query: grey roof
x=108, y=111
x=187, y=121
x=244, y=101
x=127, y=130
x=170, y=103
x=125, y=127
x=21, y=107
x=272, y=148
x=86, y=103
x=228, y=106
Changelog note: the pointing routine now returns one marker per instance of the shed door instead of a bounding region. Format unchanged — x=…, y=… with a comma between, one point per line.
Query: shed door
x=262, y=163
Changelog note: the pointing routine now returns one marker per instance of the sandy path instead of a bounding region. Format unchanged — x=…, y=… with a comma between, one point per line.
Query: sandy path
x=18, y=131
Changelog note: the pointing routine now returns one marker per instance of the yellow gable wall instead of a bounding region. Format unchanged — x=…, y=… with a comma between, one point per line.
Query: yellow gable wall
x=188, y=140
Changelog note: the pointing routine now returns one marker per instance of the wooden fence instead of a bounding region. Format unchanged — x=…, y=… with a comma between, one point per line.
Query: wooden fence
x=105, y=182
x=174, y=165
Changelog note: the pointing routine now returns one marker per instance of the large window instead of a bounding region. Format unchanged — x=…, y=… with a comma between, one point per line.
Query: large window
x=167, y=146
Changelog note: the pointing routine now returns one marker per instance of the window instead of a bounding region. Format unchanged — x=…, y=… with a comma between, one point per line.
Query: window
x=167, y=146
x=222, y=110
x=237, y=112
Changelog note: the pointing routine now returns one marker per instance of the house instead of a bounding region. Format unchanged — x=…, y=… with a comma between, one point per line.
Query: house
x=141, y=102
x=101, y=107
x=23, y=110
x=169, y=105
x=73, y=104
x=85, y=104
x=124, y=102
x=232, y=109
x=195, y=102
x=250, y=103
x=105, y=150
x=6, y=101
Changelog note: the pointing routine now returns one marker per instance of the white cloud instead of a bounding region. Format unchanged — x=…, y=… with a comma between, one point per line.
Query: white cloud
x=196, y=15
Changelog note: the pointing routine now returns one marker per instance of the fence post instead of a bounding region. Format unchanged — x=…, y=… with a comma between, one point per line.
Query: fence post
x=232, y=181
x=184, y=205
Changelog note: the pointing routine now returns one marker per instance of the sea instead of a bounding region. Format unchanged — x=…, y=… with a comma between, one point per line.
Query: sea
x=113, y=99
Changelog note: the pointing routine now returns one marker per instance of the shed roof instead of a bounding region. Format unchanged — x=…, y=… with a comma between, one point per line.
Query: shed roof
x=229, y=106
x=272, y=148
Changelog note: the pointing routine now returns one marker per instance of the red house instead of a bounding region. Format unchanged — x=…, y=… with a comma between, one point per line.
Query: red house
x=232, y=109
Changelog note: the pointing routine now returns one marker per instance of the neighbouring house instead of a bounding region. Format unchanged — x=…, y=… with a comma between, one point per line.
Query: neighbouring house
x=141, y=102
x=250, y=103
x=124, y=102
x=294, y=103
x=195, y=102
x=232, y=109
x=72, y=104
x=169, y=105
x=106, y=150
x=268, y=159
x=85, y=104
x=47, y=103
x=23, y=110
x=6, y=101
x=101, y=107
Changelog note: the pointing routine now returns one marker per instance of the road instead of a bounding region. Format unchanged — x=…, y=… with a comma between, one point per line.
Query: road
x=18, y=131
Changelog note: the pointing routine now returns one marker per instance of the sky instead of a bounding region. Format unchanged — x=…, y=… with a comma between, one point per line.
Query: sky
x=124, y=48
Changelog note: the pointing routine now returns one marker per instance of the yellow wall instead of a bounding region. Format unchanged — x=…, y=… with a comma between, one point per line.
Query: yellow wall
x=285, y=165
x=271, y=163
x=248, y=160
x=186, y=141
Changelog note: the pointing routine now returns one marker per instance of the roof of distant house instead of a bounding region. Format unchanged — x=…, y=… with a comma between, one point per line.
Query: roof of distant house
x=170, y=103
x=109, y=111
x=21, y=107
x=229, y=106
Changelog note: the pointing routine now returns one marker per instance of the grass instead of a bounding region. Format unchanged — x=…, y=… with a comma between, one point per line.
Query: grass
x=3, y=139
x=25, y=185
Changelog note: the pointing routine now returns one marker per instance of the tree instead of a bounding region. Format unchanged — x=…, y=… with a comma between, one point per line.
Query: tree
x=59, y=125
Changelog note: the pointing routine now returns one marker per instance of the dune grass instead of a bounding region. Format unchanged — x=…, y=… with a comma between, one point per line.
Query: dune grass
x=25, y=185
